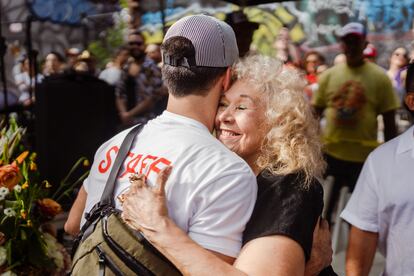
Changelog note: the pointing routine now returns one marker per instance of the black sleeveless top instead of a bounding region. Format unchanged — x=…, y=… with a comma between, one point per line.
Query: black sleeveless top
x=285, y=207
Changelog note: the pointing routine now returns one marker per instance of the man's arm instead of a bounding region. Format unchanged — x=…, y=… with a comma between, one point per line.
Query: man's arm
x=361, y=251
x=390, y=128
x=272, y=255
x=72, y=225
x=142, y=107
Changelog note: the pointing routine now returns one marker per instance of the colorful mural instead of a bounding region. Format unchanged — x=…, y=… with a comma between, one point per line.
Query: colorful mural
x=61, y=11
x=313, y=24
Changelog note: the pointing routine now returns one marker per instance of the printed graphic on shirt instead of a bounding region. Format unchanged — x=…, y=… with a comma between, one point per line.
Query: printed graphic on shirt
x=348, y=102
x=149, y=165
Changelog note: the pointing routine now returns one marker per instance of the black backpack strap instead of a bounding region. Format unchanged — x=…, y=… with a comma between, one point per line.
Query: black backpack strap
x=107, y=198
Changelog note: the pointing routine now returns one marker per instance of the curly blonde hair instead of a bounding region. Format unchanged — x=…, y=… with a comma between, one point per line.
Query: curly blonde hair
x=292, y=142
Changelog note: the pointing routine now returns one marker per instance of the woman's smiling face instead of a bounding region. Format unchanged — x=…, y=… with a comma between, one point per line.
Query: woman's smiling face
x=240, y=120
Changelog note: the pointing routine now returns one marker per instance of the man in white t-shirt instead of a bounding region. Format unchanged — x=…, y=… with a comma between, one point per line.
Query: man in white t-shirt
x=211, y=191
x=381, y=208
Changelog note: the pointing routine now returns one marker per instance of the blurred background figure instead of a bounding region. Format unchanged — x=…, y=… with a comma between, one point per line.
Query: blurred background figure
x=285, y=49
x=86, y=63
x=71, y=57
x=339, y=58
x=313, y=63
x=153, y=52
x=350, y=96
x=398, y=62
x=54, y=64
x=370, y=53
x=140, y=95
x=112, y=74
x=381, y=209
x=243, y=29
x=25, y=82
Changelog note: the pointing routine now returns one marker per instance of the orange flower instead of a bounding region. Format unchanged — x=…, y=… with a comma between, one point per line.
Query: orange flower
x=25, y=185
x=47, y=184
x=23, y=214
x=22, y=156
x=9, y=176
x=49, y=207
x=86, y=163
x=33, y=166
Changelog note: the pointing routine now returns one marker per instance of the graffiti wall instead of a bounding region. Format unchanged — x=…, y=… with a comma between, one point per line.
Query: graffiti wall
x=313, y=24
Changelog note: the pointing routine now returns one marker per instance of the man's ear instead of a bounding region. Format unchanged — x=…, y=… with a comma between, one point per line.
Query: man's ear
x=409, y=101
x=227, y=79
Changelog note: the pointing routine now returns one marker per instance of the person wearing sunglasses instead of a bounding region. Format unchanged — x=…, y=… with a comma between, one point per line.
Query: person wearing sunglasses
x=141, y=96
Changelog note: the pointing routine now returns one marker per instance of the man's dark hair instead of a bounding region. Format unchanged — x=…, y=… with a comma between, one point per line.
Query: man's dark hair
x=183, y=81
x=59, y=57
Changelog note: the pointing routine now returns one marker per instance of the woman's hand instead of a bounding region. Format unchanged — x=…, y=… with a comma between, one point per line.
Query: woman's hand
x=321, y=253
x=144, y=207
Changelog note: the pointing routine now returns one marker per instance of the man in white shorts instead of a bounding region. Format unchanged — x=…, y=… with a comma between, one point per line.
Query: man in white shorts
x=211, y=191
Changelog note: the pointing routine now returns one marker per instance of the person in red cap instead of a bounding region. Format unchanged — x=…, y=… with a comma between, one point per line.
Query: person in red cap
x=370, y=53
x=351, y=95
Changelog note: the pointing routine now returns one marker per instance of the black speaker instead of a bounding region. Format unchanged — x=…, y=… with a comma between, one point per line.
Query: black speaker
x=74, y=114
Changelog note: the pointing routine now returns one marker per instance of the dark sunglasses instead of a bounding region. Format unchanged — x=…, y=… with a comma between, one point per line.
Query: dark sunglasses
x=138, y=43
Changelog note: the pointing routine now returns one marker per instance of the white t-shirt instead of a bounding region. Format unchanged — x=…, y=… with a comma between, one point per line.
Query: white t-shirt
x=111, y=75
x=383, y=202
x=211, y=191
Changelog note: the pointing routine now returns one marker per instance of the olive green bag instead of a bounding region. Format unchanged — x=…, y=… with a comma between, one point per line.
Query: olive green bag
x=107, y=246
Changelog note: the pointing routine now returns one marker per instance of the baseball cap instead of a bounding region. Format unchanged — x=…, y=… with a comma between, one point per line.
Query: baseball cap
x=370, y=51
x=355, y=28
x=214, y=42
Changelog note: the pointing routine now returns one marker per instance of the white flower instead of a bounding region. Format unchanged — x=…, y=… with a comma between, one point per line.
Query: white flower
x=8, y=273
x=3, y=255
x=17, y=188
x=9, y=212
x=4, y=191
x=53, y=250
x=2, y=197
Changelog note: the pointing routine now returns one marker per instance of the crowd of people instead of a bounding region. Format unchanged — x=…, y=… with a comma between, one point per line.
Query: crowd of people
x=249, y=199
x=133, y=71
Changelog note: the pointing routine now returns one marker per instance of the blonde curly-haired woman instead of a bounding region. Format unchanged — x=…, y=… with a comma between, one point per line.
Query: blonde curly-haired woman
x=266, y=120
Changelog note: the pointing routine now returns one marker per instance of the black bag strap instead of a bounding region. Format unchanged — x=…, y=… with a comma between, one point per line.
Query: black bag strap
x=107, y=198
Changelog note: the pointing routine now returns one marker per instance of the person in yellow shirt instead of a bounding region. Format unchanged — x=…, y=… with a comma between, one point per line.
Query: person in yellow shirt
x=351, y=95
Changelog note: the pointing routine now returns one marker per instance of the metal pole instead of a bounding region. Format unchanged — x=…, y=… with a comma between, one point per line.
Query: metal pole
x=30, y=55
x=85, y=30
x=3, y=49
x=162, y=9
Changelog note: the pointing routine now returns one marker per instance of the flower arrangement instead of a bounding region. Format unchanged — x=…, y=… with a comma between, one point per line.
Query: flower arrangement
x=28, y=245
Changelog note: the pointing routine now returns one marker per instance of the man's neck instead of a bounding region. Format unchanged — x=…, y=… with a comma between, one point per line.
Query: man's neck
x=200, y=108
x=357, y=63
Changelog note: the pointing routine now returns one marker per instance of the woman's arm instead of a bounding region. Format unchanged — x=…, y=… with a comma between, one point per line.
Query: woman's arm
x=272, y=255
x=72, y=225
x=145, y=210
